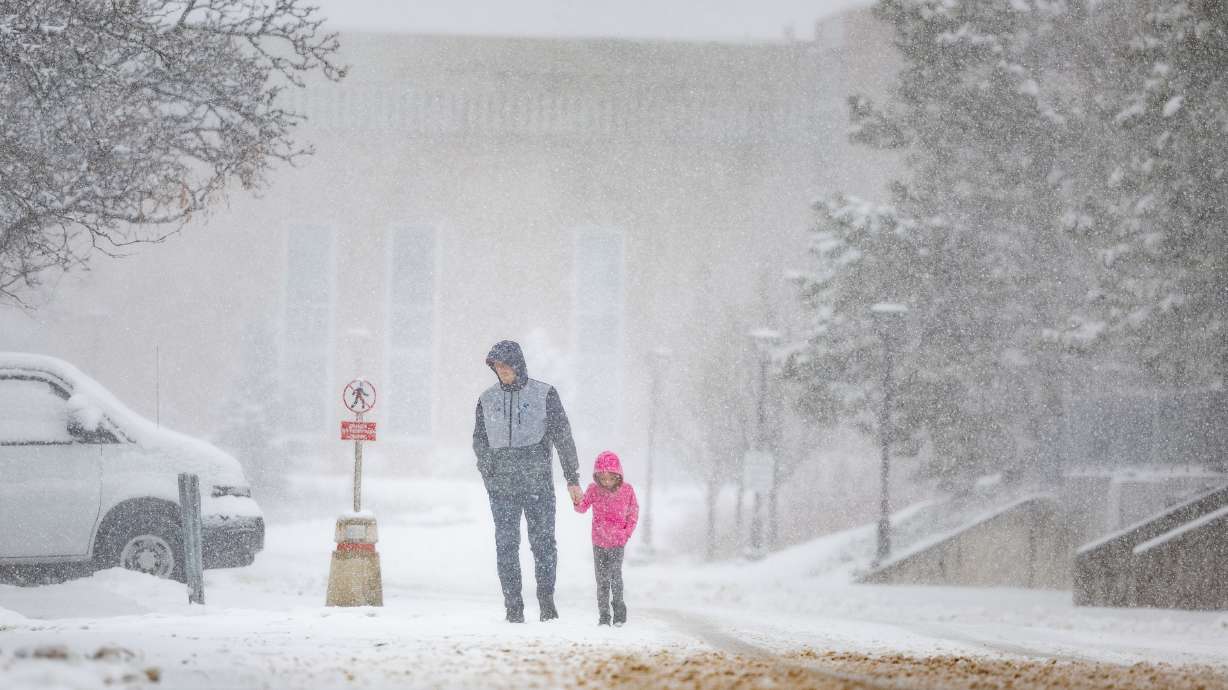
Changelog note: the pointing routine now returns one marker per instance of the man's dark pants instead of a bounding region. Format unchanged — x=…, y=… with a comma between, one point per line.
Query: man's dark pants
x=608, y=567
x=538, y=511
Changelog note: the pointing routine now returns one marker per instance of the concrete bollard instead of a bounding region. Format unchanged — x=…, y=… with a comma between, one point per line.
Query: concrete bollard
x=354, y=577
x=189, y=512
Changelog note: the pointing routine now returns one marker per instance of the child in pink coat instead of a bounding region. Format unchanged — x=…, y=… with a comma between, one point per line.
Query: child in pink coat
x=615, y=512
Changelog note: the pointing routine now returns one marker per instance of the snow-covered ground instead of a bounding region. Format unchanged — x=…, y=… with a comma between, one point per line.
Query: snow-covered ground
x=441, y=626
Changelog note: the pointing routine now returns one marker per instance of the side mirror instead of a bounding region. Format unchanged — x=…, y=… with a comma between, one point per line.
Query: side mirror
x=84, y=418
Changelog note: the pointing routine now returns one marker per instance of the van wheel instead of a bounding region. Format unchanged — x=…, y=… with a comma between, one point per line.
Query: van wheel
x=152, y=546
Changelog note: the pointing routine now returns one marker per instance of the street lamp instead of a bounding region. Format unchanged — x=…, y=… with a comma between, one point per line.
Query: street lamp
x=762, y=460
x=658, y=358
x=887, y=317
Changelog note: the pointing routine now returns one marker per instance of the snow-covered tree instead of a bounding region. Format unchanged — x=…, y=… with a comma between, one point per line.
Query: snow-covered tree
x=864, y=254
x=1160, y=215
x=123, y=119
x=991, y=117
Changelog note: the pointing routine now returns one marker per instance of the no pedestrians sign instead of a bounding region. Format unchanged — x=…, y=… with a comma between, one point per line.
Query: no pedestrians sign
x=359, y=396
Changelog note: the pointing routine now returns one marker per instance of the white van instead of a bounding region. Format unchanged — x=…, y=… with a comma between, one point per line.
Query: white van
x=85, y=479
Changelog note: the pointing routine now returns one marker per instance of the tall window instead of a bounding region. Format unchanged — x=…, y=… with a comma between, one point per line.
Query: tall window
x=410, y=328
x=598, y=329
x=307, y=346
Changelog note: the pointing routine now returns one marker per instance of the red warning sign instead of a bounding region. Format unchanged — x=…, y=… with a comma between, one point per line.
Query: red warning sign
x=357, y=431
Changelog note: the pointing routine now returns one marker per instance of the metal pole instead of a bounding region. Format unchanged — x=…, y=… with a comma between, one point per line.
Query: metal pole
x=774, y=504
x=884, y=418
x=769, y=442
x=358, y=470
x=756, y=524
x=762, y=412
x=652, y=443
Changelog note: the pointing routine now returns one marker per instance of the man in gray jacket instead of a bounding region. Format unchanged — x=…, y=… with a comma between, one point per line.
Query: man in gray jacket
x=518, y=421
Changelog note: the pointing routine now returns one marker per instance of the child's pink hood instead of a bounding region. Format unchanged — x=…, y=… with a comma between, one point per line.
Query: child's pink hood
x=608, y=462
x=616, y=512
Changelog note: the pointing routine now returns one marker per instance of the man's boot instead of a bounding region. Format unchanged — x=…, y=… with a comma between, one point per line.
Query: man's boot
x=548, y=611
x=515, y=615
x=620, y=614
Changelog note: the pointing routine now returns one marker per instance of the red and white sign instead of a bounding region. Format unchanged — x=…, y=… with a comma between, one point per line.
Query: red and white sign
x=359, y=396
x=357, y=431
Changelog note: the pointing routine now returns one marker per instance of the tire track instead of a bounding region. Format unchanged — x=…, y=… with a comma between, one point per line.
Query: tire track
x=707, y=632
x=945, y=633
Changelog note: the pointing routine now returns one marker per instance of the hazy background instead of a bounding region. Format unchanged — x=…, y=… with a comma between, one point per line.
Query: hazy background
x=597, y=182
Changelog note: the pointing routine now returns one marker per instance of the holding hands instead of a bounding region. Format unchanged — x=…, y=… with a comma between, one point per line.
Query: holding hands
x=576, y=492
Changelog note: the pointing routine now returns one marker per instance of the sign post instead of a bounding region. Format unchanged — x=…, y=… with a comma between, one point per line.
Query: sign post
x=354, y=577
x=359, y=396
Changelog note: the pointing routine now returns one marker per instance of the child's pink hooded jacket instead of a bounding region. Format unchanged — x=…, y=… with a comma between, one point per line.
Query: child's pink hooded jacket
x=614, y=512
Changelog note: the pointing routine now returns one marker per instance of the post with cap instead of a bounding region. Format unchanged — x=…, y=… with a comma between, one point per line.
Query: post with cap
x=887, y=318
x=761, y=461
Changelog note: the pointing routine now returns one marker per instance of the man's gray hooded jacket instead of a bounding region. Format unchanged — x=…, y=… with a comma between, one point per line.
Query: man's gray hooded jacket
x=515, y=427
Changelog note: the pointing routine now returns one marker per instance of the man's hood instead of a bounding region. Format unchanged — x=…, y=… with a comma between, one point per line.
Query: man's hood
x=508, y=352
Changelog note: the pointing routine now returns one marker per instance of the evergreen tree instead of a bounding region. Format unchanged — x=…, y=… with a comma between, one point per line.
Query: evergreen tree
x=991, y=119
x=1160, y=214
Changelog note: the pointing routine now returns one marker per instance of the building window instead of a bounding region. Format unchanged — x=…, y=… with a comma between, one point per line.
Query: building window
x=599, y=279
x=411, y=329
x=307, y=332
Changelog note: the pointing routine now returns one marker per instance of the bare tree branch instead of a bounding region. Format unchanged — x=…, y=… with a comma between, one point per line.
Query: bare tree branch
x=125, y=119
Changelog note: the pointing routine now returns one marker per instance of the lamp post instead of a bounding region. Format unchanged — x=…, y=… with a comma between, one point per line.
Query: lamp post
x=763, y=456
x=658, y=357
x=887, y=316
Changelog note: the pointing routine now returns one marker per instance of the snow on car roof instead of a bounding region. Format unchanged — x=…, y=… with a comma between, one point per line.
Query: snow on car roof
x=190, y=453
x=78, y=383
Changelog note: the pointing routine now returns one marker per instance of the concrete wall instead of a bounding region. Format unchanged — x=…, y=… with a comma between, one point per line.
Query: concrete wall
x=1023, y=545
x=1099, y=502
x=1107, y=572
x=1186, y=571
x=1032, y=543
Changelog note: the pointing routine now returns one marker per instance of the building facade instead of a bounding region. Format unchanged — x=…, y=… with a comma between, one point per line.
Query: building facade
x=597, y=198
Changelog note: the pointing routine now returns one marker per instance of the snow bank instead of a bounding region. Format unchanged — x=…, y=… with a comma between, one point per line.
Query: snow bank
x=8, y=617
x=107, y=593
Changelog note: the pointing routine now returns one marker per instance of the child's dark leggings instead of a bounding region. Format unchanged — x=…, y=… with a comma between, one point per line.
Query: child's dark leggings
x=608, y=565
